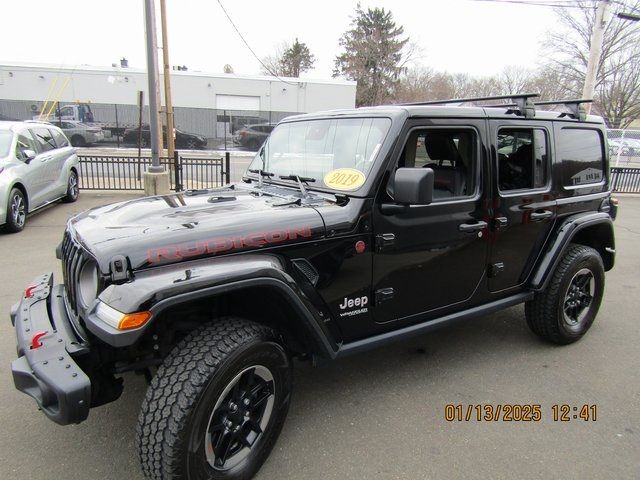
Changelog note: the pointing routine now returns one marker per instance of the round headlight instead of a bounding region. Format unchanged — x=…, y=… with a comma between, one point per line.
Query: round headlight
x=88, y=283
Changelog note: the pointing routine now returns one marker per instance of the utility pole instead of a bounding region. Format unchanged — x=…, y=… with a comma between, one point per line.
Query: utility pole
x=156, y=178
x=595, y=49
x=167, y=80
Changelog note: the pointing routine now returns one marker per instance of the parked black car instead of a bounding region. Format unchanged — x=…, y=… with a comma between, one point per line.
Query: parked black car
x=349, y=230
x=253, y=136
x=189, y=141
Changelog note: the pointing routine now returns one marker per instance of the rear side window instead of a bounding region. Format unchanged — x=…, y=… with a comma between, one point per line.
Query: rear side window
x=60, y=138
x=581, y=152
x=522, y=159
x=44, y=139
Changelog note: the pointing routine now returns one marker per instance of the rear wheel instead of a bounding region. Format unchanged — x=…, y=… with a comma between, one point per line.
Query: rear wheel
x=217, y=404
x=566, y=309
x=16, y=211
x=73, y=189
x=78, y=141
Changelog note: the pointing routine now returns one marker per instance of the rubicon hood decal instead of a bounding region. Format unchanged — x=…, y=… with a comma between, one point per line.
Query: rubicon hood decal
x=181, y=251
x=154, y=231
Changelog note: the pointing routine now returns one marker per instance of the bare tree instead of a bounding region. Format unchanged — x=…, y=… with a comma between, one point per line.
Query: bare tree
x=618, y=77
x=272, y=64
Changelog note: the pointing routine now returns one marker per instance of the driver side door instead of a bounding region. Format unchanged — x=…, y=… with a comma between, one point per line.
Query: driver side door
x=431, y=258
x=31, y=170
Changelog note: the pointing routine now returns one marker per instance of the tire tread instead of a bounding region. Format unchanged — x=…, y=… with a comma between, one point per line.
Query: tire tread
x=176, y=386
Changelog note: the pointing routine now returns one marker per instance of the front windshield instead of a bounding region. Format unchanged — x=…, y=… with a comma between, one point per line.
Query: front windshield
x=330, y=153
x=5, y=142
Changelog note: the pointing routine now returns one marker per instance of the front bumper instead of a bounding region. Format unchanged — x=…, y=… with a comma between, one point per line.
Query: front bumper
x=45, y=369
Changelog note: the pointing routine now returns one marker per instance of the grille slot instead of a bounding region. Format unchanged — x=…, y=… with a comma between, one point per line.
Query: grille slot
x=72, y=261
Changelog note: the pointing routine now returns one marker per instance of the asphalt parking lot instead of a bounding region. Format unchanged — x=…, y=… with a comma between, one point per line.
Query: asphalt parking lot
x=379, y=415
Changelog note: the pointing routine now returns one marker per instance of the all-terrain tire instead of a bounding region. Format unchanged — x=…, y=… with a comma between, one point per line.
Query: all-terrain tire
x=179, y=406
x=546, y=315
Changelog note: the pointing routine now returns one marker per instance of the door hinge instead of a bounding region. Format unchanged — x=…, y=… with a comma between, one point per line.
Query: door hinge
x=383, y=295
x=500, y=222
x=495, y=269
x=384, y=240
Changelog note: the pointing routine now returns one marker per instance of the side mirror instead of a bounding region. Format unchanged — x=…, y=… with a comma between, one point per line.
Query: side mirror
x=413, y=186
x=28, y=155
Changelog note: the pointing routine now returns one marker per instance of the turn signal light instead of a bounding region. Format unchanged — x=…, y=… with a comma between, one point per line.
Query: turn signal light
x=133, y=320
x=121, y=321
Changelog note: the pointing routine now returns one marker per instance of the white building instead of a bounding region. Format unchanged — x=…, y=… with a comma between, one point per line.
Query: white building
x=25, y=87
x=189, y=89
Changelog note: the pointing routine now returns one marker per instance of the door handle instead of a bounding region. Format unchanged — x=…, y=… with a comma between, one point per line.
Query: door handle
x=472, y=227
x=542, y=215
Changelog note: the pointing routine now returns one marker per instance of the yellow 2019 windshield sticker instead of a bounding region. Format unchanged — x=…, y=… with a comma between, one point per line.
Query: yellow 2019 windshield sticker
x=344, y=179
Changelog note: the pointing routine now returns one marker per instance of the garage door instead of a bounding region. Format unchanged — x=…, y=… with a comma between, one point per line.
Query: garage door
x=237, y=102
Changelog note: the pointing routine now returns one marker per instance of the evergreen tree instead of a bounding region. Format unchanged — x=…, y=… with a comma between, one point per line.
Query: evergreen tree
x=373, y=55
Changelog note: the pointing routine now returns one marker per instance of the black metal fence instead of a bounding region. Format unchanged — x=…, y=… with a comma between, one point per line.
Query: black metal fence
x=109, y=172
x=625, y=179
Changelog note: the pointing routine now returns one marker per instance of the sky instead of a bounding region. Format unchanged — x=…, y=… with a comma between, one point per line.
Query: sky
x=479, y=38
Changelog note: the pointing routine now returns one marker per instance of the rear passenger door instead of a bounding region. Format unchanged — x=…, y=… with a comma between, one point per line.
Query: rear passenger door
x=61, y=155
x=525, y=202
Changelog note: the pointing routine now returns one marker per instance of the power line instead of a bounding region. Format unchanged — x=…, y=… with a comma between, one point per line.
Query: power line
x=251, y=49
x=542, y=3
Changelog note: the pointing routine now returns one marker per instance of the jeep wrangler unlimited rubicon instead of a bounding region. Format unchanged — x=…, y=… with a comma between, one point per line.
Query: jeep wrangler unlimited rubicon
x=350, y=229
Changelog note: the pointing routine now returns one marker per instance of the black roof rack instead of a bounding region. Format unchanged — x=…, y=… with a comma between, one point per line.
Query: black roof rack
x=575, y=106
x=521, y=101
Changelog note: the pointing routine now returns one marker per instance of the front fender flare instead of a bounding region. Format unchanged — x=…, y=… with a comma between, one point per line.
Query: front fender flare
x=159, y=288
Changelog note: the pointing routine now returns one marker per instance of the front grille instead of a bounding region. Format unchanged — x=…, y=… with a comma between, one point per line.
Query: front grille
x=73, y=258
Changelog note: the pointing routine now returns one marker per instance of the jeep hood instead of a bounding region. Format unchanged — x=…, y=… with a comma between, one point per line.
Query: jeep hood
x=172, y=228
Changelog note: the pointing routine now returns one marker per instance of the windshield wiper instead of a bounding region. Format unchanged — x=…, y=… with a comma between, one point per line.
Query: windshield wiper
x=299, y=179
x=261, y=173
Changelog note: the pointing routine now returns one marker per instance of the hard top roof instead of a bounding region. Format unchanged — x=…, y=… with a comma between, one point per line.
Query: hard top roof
x=441, y=111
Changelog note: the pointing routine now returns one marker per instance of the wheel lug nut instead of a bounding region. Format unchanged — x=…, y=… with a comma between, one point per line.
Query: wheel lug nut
x=246, y=401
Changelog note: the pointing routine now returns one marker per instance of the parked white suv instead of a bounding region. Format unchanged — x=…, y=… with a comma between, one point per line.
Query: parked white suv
x=37, y=166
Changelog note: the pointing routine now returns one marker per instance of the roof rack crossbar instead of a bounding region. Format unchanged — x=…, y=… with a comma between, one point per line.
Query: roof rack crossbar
x=520, y=100
x=575, y=106
x=514, y=97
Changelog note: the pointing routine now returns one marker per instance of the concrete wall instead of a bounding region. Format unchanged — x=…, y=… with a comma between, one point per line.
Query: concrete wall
x=111, y=85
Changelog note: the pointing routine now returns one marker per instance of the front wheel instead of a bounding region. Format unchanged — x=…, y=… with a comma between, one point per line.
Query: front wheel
x=566, y=309
x=16, y=211
x=216, y=406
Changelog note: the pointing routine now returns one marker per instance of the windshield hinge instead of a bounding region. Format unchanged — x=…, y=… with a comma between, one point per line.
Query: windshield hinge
x=119, y=268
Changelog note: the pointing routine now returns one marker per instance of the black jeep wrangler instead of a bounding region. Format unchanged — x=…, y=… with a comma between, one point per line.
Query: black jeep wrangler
x=350, y=229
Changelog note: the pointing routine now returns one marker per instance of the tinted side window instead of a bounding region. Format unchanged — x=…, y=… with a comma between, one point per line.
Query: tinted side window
x=66, y=112
x=452, y=156
x=581, y=152
x=522, y=159
x=44, y=139
x=24, y=142
x=60, y=138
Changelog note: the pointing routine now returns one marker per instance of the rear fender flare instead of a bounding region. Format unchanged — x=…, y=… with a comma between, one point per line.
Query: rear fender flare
x=591, y=229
